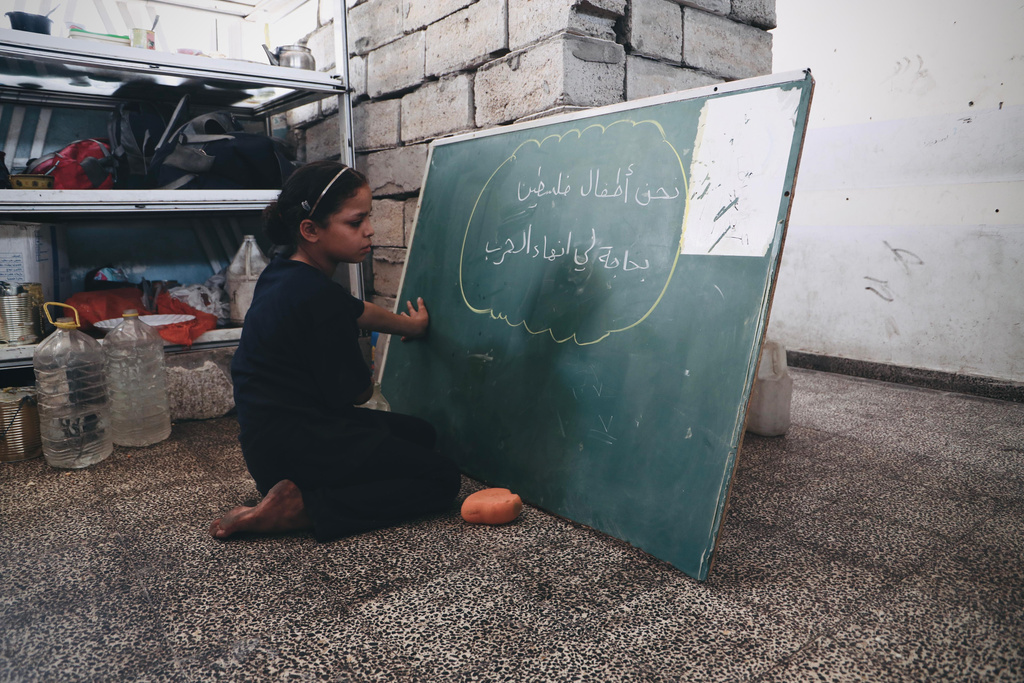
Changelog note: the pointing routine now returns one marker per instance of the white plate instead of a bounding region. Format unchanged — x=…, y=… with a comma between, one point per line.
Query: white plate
x=151, y=320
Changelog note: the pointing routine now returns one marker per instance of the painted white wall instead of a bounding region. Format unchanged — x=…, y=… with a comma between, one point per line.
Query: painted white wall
x=906, y=239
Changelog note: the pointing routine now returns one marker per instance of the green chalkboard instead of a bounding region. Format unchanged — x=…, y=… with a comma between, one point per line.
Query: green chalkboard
x=599, y=286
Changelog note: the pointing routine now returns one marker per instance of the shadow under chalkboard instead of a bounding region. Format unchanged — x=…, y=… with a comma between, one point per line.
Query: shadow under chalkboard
x=599, y=286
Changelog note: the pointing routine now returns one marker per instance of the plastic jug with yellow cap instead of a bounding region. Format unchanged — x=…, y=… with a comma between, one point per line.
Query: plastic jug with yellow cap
x=74, y=415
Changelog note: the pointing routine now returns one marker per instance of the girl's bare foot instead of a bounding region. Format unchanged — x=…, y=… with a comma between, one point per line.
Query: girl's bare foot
x=280, y=510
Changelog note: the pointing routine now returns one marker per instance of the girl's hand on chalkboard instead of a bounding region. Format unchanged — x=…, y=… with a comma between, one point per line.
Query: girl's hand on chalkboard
x=418, y=318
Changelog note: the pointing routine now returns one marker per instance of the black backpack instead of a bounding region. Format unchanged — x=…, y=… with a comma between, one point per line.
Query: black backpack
x=213, y=152
x=134, y=129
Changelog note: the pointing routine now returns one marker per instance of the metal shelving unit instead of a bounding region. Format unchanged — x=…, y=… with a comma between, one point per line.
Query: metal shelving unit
x=50, y=71
x=121, y=201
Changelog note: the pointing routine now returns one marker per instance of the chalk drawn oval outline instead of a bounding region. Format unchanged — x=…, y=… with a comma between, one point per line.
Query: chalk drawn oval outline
x=539, y=143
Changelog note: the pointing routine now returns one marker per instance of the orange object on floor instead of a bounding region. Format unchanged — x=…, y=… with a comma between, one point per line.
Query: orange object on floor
x=491, y=506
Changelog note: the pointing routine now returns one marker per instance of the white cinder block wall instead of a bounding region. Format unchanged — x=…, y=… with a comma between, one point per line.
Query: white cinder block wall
x=423, y=69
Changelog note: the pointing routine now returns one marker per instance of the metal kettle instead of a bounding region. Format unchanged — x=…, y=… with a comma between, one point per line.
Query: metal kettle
x=292, y=56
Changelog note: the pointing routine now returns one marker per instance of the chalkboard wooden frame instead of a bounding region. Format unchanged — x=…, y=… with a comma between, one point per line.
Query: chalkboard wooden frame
x=599, y=285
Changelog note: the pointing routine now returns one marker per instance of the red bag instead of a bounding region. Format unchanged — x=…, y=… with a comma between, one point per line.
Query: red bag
x=182, y=333
x=111, y=303
x=82, y=165
x=105, y=304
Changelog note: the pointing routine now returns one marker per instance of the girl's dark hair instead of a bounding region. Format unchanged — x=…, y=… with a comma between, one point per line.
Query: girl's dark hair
x=281, y=218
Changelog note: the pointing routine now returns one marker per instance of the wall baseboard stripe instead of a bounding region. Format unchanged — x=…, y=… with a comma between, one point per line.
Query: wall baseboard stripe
x=987, y=387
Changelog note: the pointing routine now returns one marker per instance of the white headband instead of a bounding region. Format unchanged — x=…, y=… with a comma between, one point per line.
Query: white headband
x=305, y=204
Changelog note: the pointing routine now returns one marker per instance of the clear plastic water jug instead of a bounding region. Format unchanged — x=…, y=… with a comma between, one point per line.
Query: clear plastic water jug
x=241, y=277
x=136, y=383
x=74, y=415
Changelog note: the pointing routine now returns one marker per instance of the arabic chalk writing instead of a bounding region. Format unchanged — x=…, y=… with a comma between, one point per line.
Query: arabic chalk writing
x=576, y=234
x=581, y=256
x=596, y=188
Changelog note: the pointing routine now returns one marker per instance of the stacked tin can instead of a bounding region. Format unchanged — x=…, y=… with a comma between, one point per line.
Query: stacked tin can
x=19, y=312
x=19, y=425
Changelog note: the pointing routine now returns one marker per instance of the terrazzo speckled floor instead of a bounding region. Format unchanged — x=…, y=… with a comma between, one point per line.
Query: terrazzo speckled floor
x=880, y=540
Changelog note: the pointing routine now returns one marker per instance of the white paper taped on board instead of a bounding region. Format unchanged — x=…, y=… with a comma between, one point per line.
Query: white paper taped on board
x=738, y=172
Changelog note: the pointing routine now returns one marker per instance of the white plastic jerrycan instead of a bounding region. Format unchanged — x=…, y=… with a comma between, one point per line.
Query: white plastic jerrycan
x=242, y=275
x=770, y=399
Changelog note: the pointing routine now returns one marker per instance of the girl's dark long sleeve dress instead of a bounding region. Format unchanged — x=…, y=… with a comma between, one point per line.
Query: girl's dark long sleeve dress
x=296, y=373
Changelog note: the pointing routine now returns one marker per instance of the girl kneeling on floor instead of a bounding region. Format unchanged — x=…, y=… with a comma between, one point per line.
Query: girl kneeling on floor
x=320, y=462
